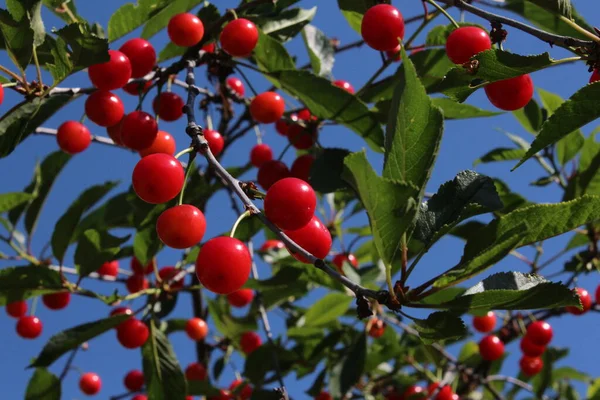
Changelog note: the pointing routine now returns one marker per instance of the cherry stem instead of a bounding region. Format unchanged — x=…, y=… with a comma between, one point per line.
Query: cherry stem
x=34, y=302
x=186, y=151
x=188, y=170
x=237, y=222
x=443, y=11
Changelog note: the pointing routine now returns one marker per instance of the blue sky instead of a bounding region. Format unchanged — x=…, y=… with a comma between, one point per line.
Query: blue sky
x=464, y=141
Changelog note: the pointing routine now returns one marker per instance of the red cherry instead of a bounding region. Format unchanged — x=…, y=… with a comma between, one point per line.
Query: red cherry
x=598, y=294
x=138, y=130
x=29, y=327
x=167, y=274
x=1, y=94
x=466, y=41
x=236, y=85
x=136, y=283
x=267, y=107
x=168, y=106
x=104, y=108
x=245, y=393
x=195, y=372
x=240, y=298
x=395, y=54
x=271, y=172
x=138, y=268
x=340, y=258
x=323, y=396
x=377, y=328
x=594, y=78
x=302, y=138
x=114, y=132
x=260, y=154
x=223, y=395
x=412, y=391
x=250, y=341
x=196, y=329
x=239, y=37
x=90, y=383
x=17, y=309
x=491, y=348
x=141, y=55
x=157, y=178
x=112, y=74
x=185, y=30
x=56, y=301
x=272, y=244
x=163, y=143
x=134, y=380
x=73, y=137
x=215, y=141
x=531, y=366
x=223, y=264
x=140, y=397
x=181, y=226
x=344, y=85
x=301, y=167
x=290, y=203
x=540, y=333
x=120, y=311
x=314, y=238
x=282, y=125
x=485, y=323
x=305, y=115
x=586, y=302
x=529, y=348
x=132, y=333
x=209, y=48
x=109, y=268
x=134, y=88
x=382, y=26
x=510, y=94
x=446, y=393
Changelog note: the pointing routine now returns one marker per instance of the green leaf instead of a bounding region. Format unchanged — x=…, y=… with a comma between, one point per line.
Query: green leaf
x=353, y=11
x=18, y=37
x=453, y=110
x=86, y=48
x=569, y=373
x=159, y=19
x=201, y=388
x=530, y=117
x=29, y=11
x=69, y=339
x=94, y=249
x=510, y=199
x=8, y=201
x=260, y=362
x=328, y=309
x=227, y=324
x=270, y=55
x=413, y=132
x=146, y=243
x=542, y=380
x=247, y=228
x=348, y=371
x=43, y=385
x=131, y=16
x=21, y=283
x=170, y=51
x=326, y=171
x=593, y=392
x=56, y=6
x=391, y=206
x=320, y=50
x=501, y=154
x=440, y=326
x=438, y=35
x=286, y=24
x=61, y=65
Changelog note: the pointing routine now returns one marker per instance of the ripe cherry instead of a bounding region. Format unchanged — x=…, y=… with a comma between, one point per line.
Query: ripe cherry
x=445, y=393
x=223, y=264
x=236, y=86
x=141, y=54
x=104, y=108
x=344, y=85
x=121, y=311
x=290, y=203
x=114, y=132
x=196, y=328
x=56, y=301
x=382, y=26
x=529, y=348
x=223, y=395
x=163, y=143
x=185, y=30
x=301, y=137
x=134, y=88
x=157, y=178
x=491, y=348
x=267, y=107
x=136, y=283
x=109, y=268
x=242, y=394
x=485, y=323
x=73, y=137
x=260, y=154
x=466, y=41
x=181, y=226
x=594, y=78
x=412, y=391
x=239, y=37
x=215, y=141
x=209, y=48
x=283, y=125
x=586, y=302
x=340, y=258
x=1, y=94
x=168, y=106
x=301, y=167
x=168, y=274
x=195, y=372
x=140, y=397
x=377, y=328
x=112, y=74
x=134, y=380
x=271, y=172
x=395, y=54
x=138, y=130
x=240, y=298
x=598, y=294
x=90, y=383
x=29, y=327
x=510, y=94
x=17, y=309
x=314, y=238
x=140, y=269
x=272, y=244
x=305, y=115
x=132, y=333
x=531, y=366
x=250, y=341
x=324, y=396
x=540, y=333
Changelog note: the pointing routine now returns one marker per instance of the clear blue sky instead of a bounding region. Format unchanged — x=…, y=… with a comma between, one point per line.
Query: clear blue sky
x=464, y=142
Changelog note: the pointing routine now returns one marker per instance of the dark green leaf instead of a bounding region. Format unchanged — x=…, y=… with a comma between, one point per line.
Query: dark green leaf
x=131, y=16
x=227, y=324
x=530, y=117
x=542, y=380
x=200, y=388
x=61, y=65
x=286, y=24
x=353, y=11
x=20, y=283
x=94, y=249
x=510, y=199
x=29, y=11
x=159, y=19
x=86, y=48
x=326, y=171
x=248, y=228
x=270, y=55
x=171, y=50
x=260, y=361
x=146, y=243
x=569, y=373
x=43, y=385
x=18, y=38
x=348, y=371
x=453, y=110
x=173, y=325
x=8, y=201
x=501, y=154
x=329, y=308
x=320, y=50
x=440, y=326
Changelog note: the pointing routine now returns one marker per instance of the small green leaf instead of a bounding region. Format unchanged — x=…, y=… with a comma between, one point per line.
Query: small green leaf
x=329, y=308
x=270, y=55
x=326, y=171
x=286, y=24
x=353, y=11
x=530, y=117
x=348, y=371
x=8, y=201
x=500, y=154
x=320, y=50
x=171, y=50
x=94, y=249
x=569, y=373
x=201, y=388
x=453, y=110
x=131, y=16
x=29, y=11
x=61, y=65
x=21, y=283
x=86, y=48
x=227, y=324
x=43, y=385
x=260, y=362
x=440, y=326
x=510, y=199
x=543, y=380
x=18, y=38
x=146, y=243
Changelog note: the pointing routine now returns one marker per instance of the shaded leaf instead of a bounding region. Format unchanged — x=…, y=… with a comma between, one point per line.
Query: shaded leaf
x=20, y=283
x=86, y=48
x=353, y=11
x=146, y=243
x=94, y=249
x=348, y=371
x=43, y=385
x=326, y=171
x=18, y=37
x=440, y=326
x=9, y=201
x=200, y=388
x=320, y=50
x=530, y=117
x=500, y=154
x=260, y=362
x=227, y=324
x=270, y=55
x=329, y=308
x=287, y=23
x=453, y=110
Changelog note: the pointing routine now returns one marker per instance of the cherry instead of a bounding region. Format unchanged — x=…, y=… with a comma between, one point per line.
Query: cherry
x=466, y=41
x=240, y=298
x=314, y=238
x=56, y=301
x=104, y=108
x=90, y=383
x=271, y=172
x=163, y=143
x=167, y=274
x=134, y=380
x=141, y=55
x=215, y=141
x=344, y=85
x=157, y=178
x=529, y=348
x=209, y=48
x=17, y=309
x=395, y=54
x=239, y=37
x=260, y=154
x=377, y=328
x=510, y=94
x=412, y=391
x=301, y=137
x=341, y=258
x=540, y=333
x=594, y=78
x=138, y=130
x=223, y=264
x=598, y=294
x=324, y=396
x=109, y=268
x=267, y=107
x=245, y=393
x=168, y=106
x=290, y=203
x=586, y=302
x=531, y=366
x=195, y=372
x=136, y=283
x=138, y=268
x=134, y=88
x=112, y=74
x=236, y=86
x=446, y=393
x=185, y=30
x=305, y=115
x=301, y=167
x=140, y=397
x=382, y=26
x=132, y=333
x=181, y=226
x=196, y=328
x=29, y=327
x=1, y=94
x=485, y=323
x=250, y=341
x=73, y=137
x=121, y=311
x=223, y=395
x=282, y=125
x=114, y=132
x=272, y=244
x=491, y=348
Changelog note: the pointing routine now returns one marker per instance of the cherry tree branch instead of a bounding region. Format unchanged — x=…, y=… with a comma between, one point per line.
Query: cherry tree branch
x=95, y=138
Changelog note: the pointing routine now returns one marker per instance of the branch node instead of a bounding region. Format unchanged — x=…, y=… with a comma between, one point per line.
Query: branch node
x=363, y=307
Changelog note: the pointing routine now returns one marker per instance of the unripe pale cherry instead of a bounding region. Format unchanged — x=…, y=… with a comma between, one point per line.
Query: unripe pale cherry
x=215, y=140
x=531, y=349
x=491, y=348
x=17, y=309
x=239, y=37
x=109, y=268
x=313, y=237
x=141, y=55
x=267, y=107
x=466, y=41
x=245, y=393
x=250, y=341
x=586, y=302
x=132, y=333
x=140, y=269
x=104, y=108
x=56, y=301
x=185, y=30
x=223, y=264
x=301, y=167
x=73, y=137
x=531, y=366
x=112, y=74
x=90, y=383
x=181, y=226
x=168, y=274
x=134, y=380
x=510, y=94
x=344, y=85
x=240, y=298
x=138, y=130
x=163, y=143
x=485, y=323
x=540, y=333
x=195, y=372
x=271, y=172
x=290, y=203
x=382, y=26
x=196, y=329
x=153, y=190
x=168, y=106
x=340, y=258
x=29, y=327
x=260, y=154
x=236, y=86
x=136, y=283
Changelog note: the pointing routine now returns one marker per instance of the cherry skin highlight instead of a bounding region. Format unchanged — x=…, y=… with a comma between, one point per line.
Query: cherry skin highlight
x=240, y=298
x=485, y=323
x=290, y=203
x=314, y=238
x=510, y=94
x=138, y=268
x=340, y=258
x=104, y=108
x=236, y=86
x=163, y=143
x=586, y=302
x=267, y=107
x=166, y=274
x=109, y=268
x=138, y=130
x=181, y=226
x=56, y=301
x=112, y=74
x=491, y=348
x=170, y=178
x=215, y=140
x=223, y=264
x=382, y=26
x=531, y=349
x=29, y=327
x=73, y=137
x=90, y=383
x=412, y=391
x=196, y=329
x=239, y=37
x=136, y=283
x=195, y=372
x=540, y=333
x=531, y=366
x=260, y=154
x=466, y=41
x=141, y=54
x=301, y=167
x=185, y=30
x=344, y=85
x=168, y=106
x=250, y=341
x=271, y=172
x=132, y=333
x=17, y=309
x=134, y=380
